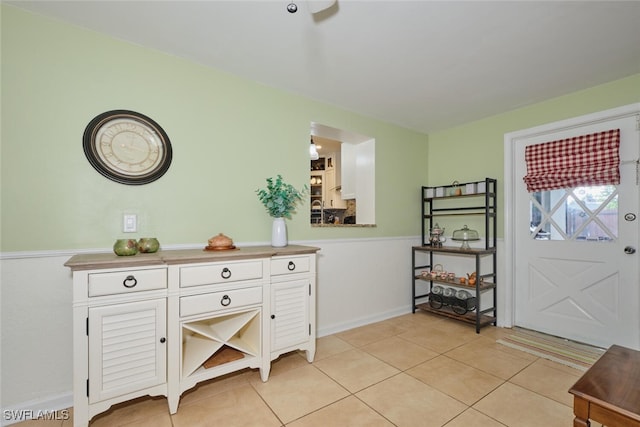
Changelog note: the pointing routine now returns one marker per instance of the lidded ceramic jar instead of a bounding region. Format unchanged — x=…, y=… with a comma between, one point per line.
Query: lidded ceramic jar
x=220, y=242
x=125, y=247
x=148, y=245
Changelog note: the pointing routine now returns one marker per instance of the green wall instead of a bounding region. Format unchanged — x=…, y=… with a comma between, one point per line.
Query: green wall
x=482, y=141
x=227, y=134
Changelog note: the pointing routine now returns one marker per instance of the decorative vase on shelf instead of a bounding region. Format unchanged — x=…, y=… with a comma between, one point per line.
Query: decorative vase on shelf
x=279, y=233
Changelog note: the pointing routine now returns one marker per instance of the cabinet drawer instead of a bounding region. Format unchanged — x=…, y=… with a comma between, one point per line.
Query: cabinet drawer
x=220, y=273
x=196, y=304
x=289, y=265
x=122, y=282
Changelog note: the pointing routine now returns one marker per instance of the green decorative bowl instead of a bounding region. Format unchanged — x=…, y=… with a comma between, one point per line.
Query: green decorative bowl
x=148, y=245
x=125, y=247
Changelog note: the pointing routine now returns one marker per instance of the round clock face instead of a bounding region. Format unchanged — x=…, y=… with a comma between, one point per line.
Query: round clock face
x=127, y=147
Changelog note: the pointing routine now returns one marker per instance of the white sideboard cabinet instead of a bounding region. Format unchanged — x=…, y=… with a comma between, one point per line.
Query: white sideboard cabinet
x=158, y=324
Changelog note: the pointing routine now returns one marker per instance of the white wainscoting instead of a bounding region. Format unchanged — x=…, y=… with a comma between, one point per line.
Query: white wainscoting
x=360, y=281
x=36, y=333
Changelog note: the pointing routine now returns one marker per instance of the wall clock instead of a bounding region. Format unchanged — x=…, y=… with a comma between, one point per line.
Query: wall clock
x=127, y=147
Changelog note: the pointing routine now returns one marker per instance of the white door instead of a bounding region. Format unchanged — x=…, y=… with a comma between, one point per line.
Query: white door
x=573, y=275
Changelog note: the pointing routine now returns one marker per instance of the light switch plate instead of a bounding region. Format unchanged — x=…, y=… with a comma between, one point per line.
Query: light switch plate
x=130, y=223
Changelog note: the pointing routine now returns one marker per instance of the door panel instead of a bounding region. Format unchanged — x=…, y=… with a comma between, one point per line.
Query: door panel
x=572, y=276
x=126, y=350
x=290, y=307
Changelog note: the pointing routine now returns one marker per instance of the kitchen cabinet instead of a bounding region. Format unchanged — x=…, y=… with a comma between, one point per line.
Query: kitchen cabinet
x=334, y=164
x=318, y=195
x=158, y=324
x=333, y=199
x=448, y=202
x=348, y=168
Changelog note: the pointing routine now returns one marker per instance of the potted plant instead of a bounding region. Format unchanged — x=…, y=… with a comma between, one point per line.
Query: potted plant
x=280, y=199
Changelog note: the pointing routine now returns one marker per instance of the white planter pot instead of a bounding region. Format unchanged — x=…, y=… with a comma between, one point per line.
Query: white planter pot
x=279, y=233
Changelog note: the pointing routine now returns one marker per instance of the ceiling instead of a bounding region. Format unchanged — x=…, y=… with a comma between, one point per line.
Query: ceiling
x=326, y=146
x=424, y=65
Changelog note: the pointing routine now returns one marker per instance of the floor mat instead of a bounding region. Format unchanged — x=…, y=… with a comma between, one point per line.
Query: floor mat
x=566, y=352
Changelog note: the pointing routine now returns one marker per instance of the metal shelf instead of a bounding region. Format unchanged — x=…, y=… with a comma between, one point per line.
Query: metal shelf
x=472, y=317
x=478, y=317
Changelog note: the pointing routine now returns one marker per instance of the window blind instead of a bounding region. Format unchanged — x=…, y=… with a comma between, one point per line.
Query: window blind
x=585, y=160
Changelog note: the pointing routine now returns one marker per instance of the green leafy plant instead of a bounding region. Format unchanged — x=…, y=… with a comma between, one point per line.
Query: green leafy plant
x=280, y=198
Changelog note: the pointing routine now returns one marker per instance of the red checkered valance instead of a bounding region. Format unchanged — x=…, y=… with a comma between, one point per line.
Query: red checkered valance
x=579, y=161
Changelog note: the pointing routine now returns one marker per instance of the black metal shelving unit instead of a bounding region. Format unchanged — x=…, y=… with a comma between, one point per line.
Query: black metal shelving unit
x=467, y=204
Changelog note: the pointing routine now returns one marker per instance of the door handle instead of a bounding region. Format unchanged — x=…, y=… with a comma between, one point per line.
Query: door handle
x=629, y=250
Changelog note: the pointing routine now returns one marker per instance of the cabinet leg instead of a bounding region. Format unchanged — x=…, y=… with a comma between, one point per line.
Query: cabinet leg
x=173, y=404
x=79, y=420
x=265, y=368
x=264, y=372
x=311, y=353
x=80, y=412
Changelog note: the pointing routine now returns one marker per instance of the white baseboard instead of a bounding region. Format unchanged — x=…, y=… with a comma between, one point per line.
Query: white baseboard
x=362, y=321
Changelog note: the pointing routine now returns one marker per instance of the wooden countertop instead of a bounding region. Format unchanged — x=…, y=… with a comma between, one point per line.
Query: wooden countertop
x=181, y=256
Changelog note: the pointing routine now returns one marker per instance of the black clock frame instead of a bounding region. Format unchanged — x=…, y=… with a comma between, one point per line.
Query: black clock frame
x=89, y=146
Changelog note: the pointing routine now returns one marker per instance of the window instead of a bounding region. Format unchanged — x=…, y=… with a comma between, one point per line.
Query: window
x=579, y=213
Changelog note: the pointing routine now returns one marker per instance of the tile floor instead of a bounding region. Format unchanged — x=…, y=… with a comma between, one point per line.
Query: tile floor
x=413, y=370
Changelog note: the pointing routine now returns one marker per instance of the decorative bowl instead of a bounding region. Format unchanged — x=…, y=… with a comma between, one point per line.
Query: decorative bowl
x=125, y=247
x=148, y=245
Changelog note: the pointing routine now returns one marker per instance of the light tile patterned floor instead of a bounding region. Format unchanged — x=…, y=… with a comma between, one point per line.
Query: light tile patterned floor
x=413, y=370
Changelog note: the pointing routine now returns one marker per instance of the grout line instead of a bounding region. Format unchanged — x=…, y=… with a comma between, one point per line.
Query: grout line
x=438, y=353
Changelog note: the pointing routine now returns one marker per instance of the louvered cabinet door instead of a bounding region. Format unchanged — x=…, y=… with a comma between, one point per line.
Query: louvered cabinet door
x=290, y=323
x=127, y=348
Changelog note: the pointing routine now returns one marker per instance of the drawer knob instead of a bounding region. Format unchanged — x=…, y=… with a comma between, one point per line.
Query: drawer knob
x=291, y=266
x=129, y=282
x=225, y=301
x=273, y=316
x=226, y=273
x=163, y=340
